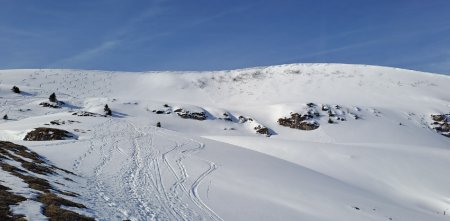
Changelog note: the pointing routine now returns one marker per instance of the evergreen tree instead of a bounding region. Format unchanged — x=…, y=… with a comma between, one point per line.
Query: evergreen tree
x=5, y=117
x=16, y=90
x=158, y=124
x=107, y=110
x=52, y=98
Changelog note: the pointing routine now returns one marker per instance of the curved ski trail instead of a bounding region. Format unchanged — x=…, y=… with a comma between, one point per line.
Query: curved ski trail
x=140, y=174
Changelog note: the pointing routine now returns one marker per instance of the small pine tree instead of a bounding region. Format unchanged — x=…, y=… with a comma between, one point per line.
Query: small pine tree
x=330, y=121
x=52, y=98
x=107, y=110
x=16, y=89
x=5, y=117
x=158, y=124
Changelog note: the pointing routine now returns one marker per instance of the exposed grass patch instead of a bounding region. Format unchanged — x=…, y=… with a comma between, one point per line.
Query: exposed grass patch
x=20, y=150
x=52, y=208
x=33, y=182
x=55, y=213
x=37, y=168
x=8, y=199
x=53, y=199
x=68, y=193
x=36, y=183
x=45, y=134
x=35, y=164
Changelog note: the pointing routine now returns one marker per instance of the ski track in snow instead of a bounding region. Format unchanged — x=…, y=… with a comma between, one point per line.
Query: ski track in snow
x=130, y=170
x=152, y=183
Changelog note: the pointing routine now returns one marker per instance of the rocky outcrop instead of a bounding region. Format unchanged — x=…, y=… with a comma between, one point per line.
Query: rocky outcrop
x=87, y=114
x=299, y=121
x=226, y=117
x=438, y=117
x=243, y=119
x=263, y=130
x=308, y=125
x=57, y=104
x=46, y=134
x=62, y=122
x=441, y=123
x=192, y=115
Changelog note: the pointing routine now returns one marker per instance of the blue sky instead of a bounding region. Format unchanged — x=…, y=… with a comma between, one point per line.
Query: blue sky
x=142, y=35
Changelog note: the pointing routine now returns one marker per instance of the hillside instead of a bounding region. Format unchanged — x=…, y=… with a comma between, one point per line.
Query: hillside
x=289, y=142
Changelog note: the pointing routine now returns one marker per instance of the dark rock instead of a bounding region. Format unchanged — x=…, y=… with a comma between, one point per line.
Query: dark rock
x=57, y=122
x=441, y=124
x=297, y=121
x=308, y=125
x=263, y=130
x=438, y=117
x=87, y=114
x=311, y=105
x=331, y=113
x=192, y=115
x=57, y=104
x=242, y=119
x=226, y=117
x=160, y=112
x=356, y=117
x=325, y=107
x=45, y=134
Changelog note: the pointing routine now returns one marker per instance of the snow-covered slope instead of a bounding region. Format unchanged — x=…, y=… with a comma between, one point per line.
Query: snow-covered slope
x=380, y=159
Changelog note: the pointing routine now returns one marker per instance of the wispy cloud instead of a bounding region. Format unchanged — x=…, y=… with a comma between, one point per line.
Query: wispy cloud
x=10, y=31
x=370, y=42
x=122, y=34
x=115, y=40
x=87, y=54
x=194, y=23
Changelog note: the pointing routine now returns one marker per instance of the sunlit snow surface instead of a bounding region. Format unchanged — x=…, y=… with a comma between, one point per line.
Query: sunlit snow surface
x=387, y=165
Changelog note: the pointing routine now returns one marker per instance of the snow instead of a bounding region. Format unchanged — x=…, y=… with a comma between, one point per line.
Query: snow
x=31, y=209
x=370, y=168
